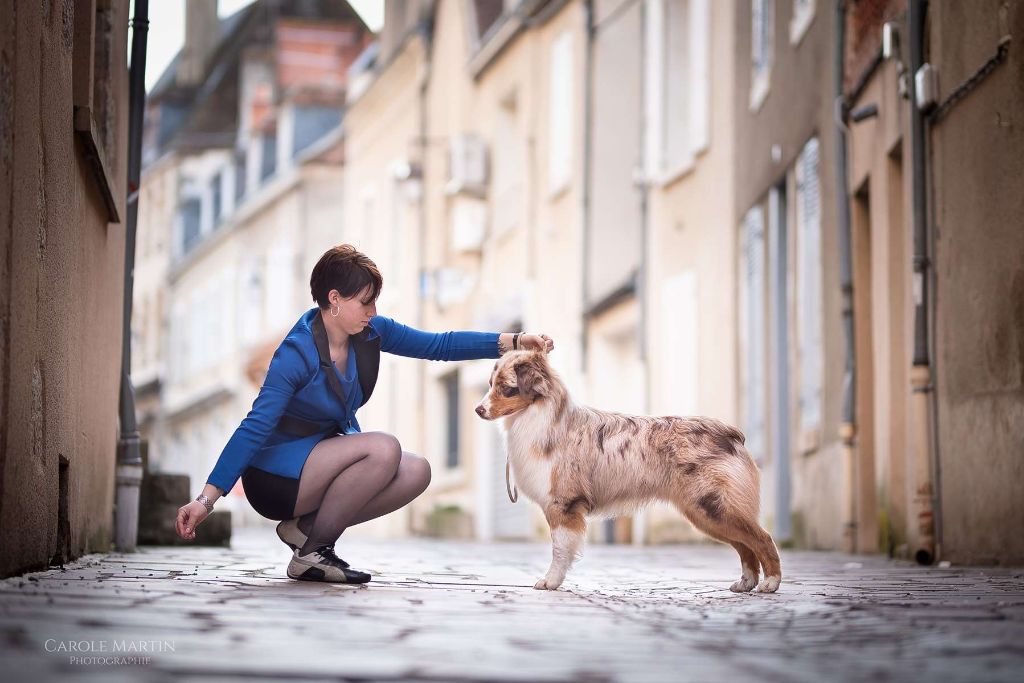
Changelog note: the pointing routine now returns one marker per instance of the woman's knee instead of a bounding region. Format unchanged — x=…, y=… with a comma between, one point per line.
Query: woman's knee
x=419, y=469
x=387, y=450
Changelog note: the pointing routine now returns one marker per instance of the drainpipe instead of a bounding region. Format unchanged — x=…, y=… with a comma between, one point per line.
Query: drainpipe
x=925, y=493
x=129, y=458
x=848, y=425
x=642, y=181
x=588, y=157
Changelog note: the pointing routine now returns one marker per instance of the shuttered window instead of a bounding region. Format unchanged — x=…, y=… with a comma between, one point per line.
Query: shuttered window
x=560, y=100
x=761, y=35
x=809, y=285
x=700, y=77
x=679, y=338
x=753, y=331
x=677, y=84
x=762, y=30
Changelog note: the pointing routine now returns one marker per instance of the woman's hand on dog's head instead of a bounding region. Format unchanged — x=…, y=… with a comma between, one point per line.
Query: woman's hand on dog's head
x=536, y=342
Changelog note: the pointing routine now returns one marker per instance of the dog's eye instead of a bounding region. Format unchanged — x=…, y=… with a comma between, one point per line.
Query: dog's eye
x=510, y=391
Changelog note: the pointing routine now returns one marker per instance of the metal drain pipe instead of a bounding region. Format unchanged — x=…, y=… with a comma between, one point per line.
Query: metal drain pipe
x=848, y=425
x=921, y=373
x=129, y=457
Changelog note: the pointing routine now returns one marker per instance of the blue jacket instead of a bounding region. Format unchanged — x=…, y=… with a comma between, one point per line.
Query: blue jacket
x=297, y=385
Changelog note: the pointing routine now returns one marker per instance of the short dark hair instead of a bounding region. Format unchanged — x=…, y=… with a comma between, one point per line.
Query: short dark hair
x=347, y=270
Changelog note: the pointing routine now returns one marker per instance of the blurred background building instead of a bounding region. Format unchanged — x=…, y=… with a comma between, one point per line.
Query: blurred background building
x=795, y=215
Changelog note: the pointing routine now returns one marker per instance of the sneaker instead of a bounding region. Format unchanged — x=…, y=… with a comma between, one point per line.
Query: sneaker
x=289, y=532
x=323, y=565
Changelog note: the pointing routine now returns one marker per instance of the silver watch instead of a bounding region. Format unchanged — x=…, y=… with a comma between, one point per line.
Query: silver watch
x=205, y=500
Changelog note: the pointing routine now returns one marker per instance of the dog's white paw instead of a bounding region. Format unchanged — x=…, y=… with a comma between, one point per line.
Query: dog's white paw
x=770, y=584
x=744, y=585
x=547, y=584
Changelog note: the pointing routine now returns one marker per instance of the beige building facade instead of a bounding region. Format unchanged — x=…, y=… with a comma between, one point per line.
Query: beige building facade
x=939, y=416
x=513, y=104
x=63, y=170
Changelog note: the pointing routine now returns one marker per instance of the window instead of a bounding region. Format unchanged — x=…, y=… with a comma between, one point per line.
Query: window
x=268, y=158
x=190, y=212
x=279, y=300
x=560, y=111
x=215, y=199
x=680, y=325
x=753, y=331
x=509, y=154
x=810, y=354
x=678, y=87
x=762, y=33
x=803, y=14
x=95, y=114
x=239, y=178
x=451, y=390
x=251, y=299
x=312, y=123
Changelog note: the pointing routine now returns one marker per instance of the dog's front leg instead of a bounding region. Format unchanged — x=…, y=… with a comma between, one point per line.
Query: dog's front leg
x=567, y=531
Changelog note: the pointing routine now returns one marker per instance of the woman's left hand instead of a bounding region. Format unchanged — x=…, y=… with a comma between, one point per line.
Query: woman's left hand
x=536, y=342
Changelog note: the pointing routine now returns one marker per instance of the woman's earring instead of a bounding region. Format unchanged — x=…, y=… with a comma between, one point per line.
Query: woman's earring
x=333, y=314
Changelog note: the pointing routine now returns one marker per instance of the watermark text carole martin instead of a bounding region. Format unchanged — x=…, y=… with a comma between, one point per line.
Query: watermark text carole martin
x=121, y=652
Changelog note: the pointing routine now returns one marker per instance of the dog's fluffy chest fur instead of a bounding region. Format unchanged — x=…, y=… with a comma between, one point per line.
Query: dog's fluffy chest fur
x=531, y=469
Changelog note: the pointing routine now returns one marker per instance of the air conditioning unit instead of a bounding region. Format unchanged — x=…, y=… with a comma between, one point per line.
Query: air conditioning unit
x=468, y=224
x=467, y=166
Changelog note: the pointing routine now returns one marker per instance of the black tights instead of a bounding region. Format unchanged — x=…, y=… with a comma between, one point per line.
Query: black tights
x=352, y=479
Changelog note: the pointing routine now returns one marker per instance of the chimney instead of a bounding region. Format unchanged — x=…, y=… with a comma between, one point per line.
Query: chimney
x=202, y=30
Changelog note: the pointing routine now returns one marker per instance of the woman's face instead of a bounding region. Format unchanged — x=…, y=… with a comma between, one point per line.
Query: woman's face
x=355, y=312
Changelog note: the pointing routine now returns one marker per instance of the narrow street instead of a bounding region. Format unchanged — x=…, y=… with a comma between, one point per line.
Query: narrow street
x=449, y=611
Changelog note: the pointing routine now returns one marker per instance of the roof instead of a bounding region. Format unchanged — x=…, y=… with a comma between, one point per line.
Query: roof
x=168, y=78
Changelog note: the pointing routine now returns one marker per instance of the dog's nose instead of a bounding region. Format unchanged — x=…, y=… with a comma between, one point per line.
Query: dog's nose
x=480, y=410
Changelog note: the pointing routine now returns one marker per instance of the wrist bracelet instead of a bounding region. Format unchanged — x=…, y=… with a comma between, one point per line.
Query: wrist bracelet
x=205, y=500
x=515, y=341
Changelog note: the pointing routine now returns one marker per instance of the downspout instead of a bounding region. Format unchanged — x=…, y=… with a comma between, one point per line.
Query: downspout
x=639, y=528
x=644, y=186
x=848, y=425
x=588, y=153
x=129, y=457
x=925, y=500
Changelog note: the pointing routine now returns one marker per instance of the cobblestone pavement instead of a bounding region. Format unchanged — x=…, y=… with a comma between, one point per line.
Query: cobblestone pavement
x=449, y=611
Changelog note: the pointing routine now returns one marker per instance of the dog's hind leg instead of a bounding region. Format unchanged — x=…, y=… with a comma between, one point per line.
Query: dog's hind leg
x=748, y=533
x=760, y=541
x=568, y=527
x=748, y=559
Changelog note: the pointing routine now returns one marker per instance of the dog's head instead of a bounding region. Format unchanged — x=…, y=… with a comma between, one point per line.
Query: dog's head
x=518, y=379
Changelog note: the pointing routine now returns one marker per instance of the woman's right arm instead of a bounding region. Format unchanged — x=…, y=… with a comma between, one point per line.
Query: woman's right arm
x=288, y=372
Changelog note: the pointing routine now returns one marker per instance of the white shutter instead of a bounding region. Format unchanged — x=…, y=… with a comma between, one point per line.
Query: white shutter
x=700, y=80
x=654, y=94
x=560, y=113
x=753, y=332
x=809, y=285
x=679, y=339
x=280, y=284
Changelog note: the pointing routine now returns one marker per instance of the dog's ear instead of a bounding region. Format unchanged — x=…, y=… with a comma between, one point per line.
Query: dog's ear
x=531, y=378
